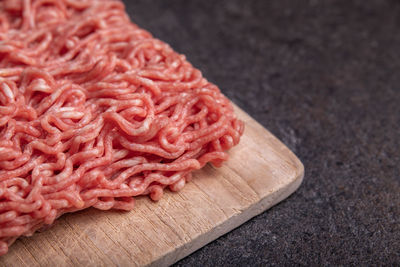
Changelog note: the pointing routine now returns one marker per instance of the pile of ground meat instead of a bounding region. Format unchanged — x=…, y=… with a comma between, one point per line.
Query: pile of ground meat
x=95, y=111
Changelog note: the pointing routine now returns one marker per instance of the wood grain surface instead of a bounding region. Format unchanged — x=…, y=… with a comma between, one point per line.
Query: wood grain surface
x=261, y=172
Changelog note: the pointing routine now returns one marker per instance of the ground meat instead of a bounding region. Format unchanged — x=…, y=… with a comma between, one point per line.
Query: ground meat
x=95, y=111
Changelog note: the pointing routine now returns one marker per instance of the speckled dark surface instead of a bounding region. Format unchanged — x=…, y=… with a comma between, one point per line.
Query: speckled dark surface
x=324, y=77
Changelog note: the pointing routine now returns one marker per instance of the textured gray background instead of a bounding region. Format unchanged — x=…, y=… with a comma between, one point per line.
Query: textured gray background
x=324, y=77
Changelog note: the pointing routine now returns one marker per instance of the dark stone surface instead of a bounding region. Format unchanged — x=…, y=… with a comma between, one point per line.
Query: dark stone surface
x=324, y=77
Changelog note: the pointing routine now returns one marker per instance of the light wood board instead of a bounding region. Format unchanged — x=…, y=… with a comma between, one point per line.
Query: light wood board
x=261, y=172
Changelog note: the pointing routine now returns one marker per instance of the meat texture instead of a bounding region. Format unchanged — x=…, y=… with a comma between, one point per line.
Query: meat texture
x=95, y=111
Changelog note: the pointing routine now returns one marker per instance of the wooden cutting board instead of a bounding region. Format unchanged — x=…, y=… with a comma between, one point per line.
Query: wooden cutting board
x=260, y=173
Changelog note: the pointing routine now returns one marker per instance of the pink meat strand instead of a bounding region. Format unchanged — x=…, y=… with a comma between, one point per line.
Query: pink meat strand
x=95, y=111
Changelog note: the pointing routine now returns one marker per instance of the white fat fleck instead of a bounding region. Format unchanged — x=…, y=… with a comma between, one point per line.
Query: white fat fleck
x=69, y=44
x=175, y=64
x=229, y=138
x=146, y=125
x=173, y=131
x=47, y=172
x=7, y=91
x=63, y=109
x=102, y=24
x=137, y=102
x=120, y=153
x=52, y=13
x=72, y=115
x=41, y=86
